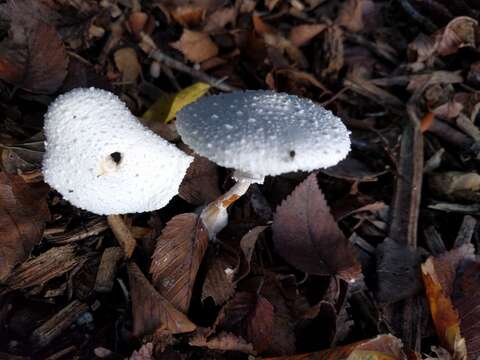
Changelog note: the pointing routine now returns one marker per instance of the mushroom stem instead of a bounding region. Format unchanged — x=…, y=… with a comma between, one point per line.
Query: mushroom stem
x=215, y=215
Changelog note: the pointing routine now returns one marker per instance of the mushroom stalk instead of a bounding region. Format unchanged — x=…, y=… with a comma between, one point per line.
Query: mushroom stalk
x=215, y=215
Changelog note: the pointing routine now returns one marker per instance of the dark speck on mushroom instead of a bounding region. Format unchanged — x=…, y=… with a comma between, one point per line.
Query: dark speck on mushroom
x=292, y=153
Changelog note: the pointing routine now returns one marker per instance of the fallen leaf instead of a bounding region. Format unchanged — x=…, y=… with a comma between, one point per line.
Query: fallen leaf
x=151, y=311
x=200, y=184
x=283, y=333
x=127, y=63
x=466, y=299
x=23, y=213
x=302, y=34
x=144, y=353
x=195, y=46
x=352, y=14
x=307, y=236
x=456, y=186
x=445, y=316
x=382, y=347
x=249, y=316
x=37, y=61
x=219, y=19
x=460, y=32
x=221, y=267
x=166, y=108
x=177, y=257
x=188, y=15
x=247, y=245
x=224, y=342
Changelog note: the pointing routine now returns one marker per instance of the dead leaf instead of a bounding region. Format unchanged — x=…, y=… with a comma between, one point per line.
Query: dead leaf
x=200, y=184
x=23, y=213
x=247, y=245
x=460, y=32
x=466, y=299
x=144, y=353
x=302, y=34
x=188, y=15
x=249, y=316
x=445, y=316
x=307, y=236
x=37, y=61
x=219, y=19
x=223, y=341
x=353, y=13
x=196, y=46
x=456, y=186
x=151, y=311
x=382, y=347
x=127, y=63
x=221, y=267
x=177, y=257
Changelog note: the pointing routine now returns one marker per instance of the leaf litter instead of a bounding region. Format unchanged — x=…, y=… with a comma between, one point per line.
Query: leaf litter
x=373, y=258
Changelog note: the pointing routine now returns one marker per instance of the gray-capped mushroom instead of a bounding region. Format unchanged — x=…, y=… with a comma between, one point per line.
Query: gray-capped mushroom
x=260, y=133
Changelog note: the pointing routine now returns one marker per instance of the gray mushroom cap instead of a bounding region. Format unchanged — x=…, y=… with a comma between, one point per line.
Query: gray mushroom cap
x=264, y=132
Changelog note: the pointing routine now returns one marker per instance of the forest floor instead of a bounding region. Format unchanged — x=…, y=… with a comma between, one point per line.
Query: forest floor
x=384, y=268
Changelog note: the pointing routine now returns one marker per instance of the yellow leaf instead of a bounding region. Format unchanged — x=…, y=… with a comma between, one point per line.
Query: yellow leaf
x=166, y=108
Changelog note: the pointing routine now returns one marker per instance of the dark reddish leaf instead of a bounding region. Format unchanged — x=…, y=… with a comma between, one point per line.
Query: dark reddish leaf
x=37, y=61
x=283, y=336
x=221, y=268
x=200, y=184
x=177, y=257
x=23, y=213
x=247, y=245
x=151, y=311
x=259, y=324
x=466, y=299
x=307, y=236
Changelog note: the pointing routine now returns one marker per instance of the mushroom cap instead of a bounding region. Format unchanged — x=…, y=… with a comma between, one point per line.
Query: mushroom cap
x=102, y=159
x=264, y=132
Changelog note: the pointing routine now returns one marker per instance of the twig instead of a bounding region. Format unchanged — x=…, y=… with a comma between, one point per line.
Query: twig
x=123, y=234
x=200, y=75
x=417, y=17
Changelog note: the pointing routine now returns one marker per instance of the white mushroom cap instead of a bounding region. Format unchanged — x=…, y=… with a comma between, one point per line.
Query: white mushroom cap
x=263, y=132
x=101, y=159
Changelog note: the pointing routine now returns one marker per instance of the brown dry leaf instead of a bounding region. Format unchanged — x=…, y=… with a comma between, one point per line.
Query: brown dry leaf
x=250, y=316
x=37, y=61
x=23, y=213
x=247, y=245
x=456, y=186
x=221, y=268
x=219, y=19
x=224, y=342
x=334, y=50
x=151, y=311
x=188, y=15
x=382, y=347
x=177, y=257
x=307, y=236
x=302, y=34
x=352, y=14
x=460, y=32
x=283, y=333
x=200, y=184
x=196, y=46
x=445, y=316
x=127, y=63
x=144, y=353
x=466, y=299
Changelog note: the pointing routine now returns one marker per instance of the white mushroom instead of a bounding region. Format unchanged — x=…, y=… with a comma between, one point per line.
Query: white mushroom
x=260, y=133
x=101, y=159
